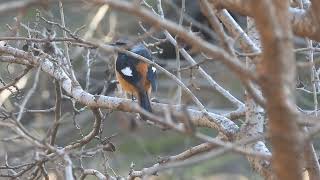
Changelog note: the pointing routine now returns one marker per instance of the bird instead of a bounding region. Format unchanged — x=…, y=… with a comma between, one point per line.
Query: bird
x=135, y=76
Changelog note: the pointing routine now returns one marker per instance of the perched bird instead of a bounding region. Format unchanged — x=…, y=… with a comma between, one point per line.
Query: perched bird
x=137, y=77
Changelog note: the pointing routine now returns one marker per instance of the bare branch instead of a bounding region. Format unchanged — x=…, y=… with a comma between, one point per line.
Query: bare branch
x=96, y=173
x=68, y=168
x=198, y=118
x=209, y=49
x=57, y=113
x=211, y=81
x=278, y=70
x=29, y=94
x=12, y=83
x=302, y=22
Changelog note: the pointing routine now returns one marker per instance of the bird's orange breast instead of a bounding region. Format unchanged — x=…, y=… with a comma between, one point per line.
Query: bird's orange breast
x=143, y=70
x=125, y=85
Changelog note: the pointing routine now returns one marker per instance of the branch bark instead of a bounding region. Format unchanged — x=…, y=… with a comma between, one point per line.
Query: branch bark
x=203, y=46
x=302, y=21
x=255, y=115
x=277, y=73
x=198, y=118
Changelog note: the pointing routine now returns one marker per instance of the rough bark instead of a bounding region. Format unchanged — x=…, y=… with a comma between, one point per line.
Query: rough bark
x=277, y=73
x=255, y=115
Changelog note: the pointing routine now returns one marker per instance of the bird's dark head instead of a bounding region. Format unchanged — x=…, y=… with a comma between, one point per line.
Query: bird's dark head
x=142, y=51
x=139, y=48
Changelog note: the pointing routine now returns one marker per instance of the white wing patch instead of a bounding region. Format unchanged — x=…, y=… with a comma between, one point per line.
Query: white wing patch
x=127, y=71
x=153, y=69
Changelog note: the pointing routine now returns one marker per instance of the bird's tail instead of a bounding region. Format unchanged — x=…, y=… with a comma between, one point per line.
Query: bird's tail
x=144, y=101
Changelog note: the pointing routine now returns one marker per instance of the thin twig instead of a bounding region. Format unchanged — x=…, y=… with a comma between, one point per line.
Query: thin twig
x=29, y=94
x=12, y=83
x=66, y=48
x=96, y=173
x=178, y=61
x=57, y=113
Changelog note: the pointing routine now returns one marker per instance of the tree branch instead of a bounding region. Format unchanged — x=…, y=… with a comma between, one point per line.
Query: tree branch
x=277, y=73
x=197, y=117
x=209, y=49
x=302, y=21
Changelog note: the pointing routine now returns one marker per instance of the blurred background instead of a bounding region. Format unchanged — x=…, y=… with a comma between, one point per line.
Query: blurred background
x=135, y=142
